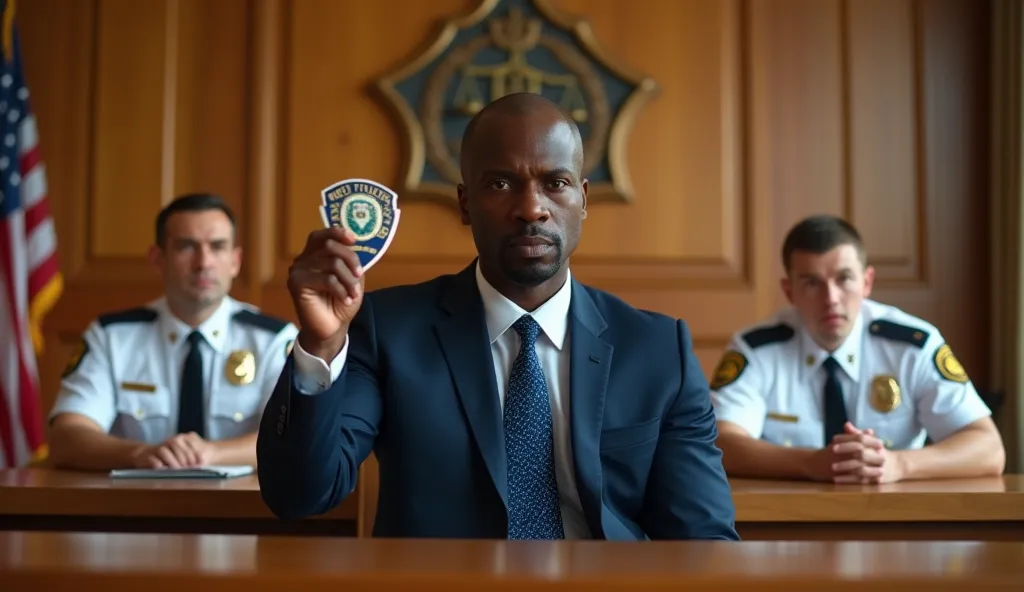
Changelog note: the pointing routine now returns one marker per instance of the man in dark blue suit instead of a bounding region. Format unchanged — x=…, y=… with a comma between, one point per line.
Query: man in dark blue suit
x=508, y=400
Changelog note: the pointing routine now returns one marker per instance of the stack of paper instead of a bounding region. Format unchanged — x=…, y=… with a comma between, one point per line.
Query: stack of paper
x=207, y=472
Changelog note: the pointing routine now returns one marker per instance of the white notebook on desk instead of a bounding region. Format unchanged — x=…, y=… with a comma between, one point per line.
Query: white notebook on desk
x=208, y=472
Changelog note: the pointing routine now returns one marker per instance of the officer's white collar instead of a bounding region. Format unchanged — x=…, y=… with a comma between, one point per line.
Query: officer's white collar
x=214, y=329
x=848, y=354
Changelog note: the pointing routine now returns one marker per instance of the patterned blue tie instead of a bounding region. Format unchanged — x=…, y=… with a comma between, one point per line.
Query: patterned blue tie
x=533, y=510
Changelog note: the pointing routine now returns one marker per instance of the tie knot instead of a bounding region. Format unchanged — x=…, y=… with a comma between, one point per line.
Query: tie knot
x=194, y=338
x=831, y=365
x=527, y=328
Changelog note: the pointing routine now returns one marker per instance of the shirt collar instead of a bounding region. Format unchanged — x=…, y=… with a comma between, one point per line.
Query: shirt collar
x=501, y=313
x=847, y=355
x=214, y=329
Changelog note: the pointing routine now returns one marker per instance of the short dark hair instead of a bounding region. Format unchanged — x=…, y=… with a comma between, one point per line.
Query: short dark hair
x=191, y=202
x=821, y=234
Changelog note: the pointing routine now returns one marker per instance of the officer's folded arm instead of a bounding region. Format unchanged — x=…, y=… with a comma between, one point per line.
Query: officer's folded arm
x=77, y=441
x=743, y=455
x=975, y=450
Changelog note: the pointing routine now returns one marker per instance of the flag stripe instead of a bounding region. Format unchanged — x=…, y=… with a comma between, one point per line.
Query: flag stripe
x=30, y=279
x=11, y=360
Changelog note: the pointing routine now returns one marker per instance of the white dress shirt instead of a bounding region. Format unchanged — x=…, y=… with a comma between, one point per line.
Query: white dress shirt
x=313, y=376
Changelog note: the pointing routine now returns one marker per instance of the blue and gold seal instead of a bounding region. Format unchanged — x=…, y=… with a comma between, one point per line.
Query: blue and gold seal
x=368, y=210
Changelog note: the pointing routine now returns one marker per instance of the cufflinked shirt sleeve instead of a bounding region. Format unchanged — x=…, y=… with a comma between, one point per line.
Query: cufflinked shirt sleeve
x=946, y=398
x=87, y=387
x=738, y=388
x=312, y=375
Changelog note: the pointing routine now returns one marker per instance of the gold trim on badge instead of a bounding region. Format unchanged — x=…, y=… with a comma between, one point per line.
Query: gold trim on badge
x=728, y=370
x=885, y=393
x=241, y=367
x=948, y=366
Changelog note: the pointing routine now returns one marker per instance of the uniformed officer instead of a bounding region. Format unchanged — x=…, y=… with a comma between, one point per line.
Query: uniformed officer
x=183, y=380
x=841, y=388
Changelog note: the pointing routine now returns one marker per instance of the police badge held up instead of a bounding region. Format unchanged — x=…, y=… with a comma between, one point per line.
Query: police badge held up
x=367, y=209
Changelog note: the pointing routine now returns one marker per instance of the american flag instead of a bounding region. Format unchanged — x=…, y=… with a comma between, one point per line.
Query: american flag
x=30, y=279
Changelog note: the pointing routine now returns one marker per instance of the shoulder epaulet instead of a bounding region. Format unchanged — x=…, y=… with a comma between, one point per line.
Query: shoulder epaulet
x=768, y=335
x=132, y=315
x=258, y=319
x=898, y=332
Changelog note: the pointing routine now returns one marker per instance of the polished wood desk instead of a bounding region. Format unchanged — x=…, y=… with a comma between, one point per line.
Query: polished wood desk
x=31, y=562
x=47, y=499
x=977, y=509
x=969, y=509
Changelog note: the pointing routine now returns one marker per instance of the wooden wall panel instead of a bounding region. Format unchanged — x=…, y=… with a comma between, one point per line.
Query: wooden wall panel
x=137, y=102
x=210, y=103
x=131, y=147
x=768, y=111
x=798, y=49
x=882, y=89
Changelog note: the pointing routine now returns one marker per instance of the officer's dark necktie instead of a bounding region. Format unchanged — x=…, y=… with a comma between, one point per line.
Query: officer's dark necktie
x=533, y=509
x=835, y=406
x=190, y=412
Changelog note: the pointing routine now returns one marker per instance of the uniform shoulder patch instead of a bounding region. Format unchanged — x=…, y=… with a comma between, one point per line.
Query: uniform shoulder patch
x=76, y=358
x=132, y=315
x=729, y=369
x=948, y=366
x=258, y=319
x=898, y=332
x=768, y=335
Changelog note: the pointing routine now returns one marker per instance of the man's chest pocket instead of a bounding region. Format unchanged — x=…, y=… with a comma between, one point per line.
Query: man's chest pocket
x=143, y=413
x=626, y=456
x=235, y=410
x=795, y=431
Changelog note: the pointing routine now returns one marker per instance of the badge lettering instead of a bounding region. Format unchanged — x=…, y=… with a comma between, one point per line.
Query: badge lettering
x=368, y=210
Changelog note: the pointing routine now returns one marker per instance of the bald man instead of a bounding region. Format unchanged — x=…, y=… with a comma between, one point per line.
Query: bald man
x=505, y=401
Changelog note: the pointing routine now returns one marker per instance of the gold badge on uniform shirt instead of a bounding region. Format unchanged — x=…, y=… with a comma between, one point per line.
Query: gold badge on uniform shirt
x=885, y=393
x=241, y=367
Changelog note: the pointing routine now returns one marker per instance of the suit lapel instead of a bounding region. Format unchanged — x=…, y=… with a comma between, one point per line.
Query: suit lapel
x=464, y=341
x=591, y=359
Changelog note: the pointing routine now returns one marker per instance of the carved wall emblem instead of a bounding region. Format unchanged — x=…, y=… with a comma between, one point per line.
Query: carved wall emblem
x=508, y=46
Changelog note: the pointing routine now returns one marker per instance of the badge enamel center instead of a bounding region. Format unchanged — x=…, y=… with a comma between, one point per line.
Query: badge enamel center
x=241, y=367
x=885, y=393
x=368, y=210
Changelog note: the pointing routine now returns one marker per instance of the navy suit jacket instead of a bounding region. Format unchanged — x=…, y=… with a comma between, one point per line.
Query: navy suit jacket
x=418, y=389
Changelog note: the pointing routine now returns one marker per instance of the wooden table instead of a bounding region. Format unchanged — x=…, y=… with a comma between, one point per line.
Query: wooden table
x=977, y=509
x=31, y=562
x=47, y=499
x=969, y=509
